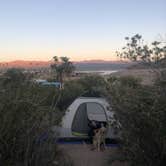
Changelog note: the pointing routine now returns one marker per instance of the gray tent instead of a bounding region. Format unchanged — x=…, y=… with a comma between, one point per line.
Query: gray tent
x=80, y=112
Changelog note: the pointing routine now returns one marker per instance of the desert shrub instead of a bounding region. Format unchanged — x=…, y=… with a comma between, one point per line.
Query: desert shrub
x=126, y=81
x=141, y=111
x=12, y=78
x=90, y=86
x=71, y=90
x=94, y=85
x=26, y=118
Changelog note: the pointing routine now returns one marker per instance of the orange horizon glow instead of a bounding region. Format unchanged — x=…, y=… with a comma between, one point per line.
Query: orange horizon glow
x=74, y=55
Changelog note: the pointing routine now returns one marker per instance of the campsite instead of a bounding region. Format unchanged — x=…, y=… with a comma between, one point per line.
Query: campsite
x=59, y=119
x=82, y=83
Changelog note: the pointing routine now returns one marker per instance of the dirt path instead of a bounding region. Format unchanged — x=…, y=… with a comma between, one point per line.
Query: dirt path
x=81, y=155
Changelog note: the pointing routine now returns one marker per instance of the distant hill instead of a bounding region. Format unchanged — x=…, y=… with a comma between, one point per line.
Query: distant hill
x=25, y=64
x=89, y=65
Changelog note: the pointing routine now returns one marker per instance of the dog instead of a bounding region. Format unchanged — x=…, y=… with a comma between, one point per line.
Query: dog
x=99, y=138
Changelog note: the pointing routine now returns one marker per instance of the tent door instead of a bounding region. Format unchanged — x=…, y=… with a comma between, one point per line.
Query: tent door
x=80, y=121
x=85, y=112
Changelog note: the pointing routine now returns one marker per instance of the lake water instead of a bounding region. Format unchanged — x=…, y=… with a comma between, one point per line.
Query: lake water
x=100, y=72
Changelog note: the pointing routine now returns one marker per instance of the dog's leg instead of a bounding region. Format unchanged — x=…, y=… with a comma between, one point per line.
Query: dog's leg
x=93, y=144
x=98, y=147
x=94, y=141
x=104, y=144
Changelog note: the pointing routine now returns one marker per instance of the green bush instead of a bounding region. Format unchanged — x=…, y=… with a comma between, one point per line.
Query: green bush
x=94, y=85
x=89, y=86
x=141, y=111
x=26, y=117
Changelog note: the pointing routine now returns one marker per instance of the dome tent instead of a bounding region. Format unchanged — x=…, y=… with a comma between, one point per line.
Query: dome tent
x=84, y=109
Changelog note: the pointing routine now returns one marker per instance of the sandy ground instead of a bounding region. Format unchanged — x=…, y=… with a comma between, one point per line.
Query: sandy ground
x=81, y=155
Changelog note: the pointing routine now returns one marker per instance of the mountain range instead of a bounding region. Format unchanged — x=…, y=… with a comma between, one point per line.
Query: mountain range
x=80, y=65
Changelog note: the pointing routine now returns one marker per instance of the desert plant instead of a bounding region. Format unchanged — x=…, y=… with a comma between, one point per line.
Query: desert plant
x=141, y=109
x=26, y=117
x=141, y=112
x=62, y=67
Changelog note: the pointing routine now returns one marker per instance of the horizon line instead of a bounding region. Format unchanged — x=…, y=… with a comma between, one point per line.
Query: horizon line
x=86, y=60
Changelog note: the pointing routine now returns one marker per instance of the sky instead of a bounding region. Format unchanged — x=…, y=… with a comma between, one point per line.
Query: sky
x=79, y=29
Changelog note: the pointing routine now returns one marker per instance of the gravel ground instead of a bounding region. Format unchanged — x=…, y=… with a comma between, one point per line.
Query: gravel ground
x=82, y=155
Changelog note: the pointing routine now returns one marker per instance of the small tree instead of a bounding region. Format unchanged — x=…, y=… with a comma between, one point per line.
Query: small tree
x=62, y=67
x=141, y=109
x=136, y=50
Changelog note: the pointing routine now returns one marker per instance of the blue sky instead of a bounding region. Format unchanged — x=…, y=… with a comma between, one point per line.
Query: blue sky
x=80, y=29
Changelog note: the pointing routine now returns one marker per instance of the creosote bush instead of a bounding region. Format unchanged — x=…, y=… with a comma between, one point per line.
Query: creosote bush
x=26, y=119
x=141, y=111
